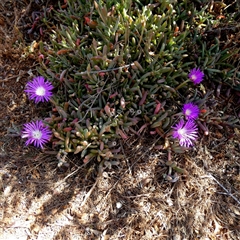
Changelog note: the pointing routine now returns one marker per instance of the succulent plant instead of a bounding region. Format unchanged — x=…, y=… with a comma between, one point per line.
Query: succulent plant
x=119, y=67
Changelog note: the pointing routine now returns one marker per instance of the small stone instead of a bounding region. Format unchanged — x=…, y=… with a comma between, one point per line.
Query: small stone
x=118, y=205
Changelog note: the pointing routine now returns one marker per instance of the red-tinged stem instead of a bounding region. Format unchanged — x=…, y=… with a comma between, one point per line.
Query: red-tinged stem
x=143, y=127
x=121, y=133
x=159, y=132
x=67, y=129
x=158, y=107
x=113, y=95
x=143, y=98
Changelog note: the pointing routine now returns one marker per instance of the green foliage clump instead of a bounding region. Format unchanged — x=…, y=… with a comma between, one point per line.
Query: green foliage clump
x=118, y=67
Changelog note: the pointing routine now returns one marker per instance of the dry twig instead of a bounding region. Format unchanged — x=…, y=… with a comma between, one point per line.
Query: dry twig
x=228, y=193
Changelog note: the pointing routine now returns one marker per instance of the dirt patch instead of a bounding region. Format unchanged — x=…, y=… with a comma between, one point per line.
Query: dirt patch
x=132, y=202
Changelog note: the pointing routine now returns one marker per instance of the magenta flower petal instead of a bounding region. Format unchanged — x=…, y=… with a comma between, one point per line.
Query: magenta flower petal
x=39, y=89
x=185, y=132
x=190, y=110
x=36, y=133
x=196, y=75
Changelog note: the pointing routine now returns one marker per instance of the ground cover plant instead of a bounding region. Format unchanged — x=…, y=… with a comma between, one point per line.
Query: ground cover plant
x=142, y=77
x=122, y=67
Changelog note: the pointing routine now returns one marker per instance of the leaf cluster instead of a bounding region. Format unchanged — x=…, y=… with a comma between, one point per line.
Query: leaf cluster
x=116, y=67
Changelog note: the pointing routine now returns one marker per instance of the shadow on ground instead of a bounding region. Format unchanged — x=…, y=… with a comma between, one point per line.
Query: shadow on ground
x=132, y=202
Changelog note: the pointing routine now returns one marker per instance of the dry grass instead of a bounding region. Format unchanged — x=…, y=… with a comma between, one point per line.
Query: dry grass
x=134, y=202
x=39, y=200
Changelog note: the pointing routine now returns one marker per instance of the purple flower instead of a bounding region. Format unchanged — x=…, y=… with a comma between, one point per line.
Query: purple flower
x=190, y=110
x=196, y=75
x=185, y=132
x=37, y=133
x=39, y=90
